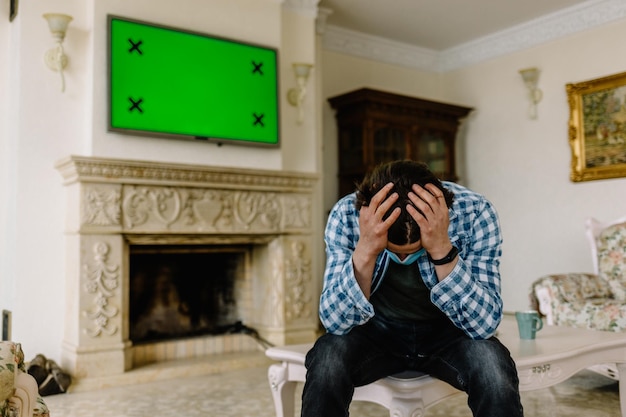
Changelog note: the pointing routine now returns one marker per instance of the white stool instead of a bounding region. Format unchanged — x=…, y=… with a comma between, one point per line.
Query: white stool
x=404, y=395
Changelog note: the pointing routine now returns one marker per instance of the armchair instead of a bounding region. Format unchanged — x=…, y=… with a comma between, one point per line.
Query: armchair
x=19, y=396
x=589, y=300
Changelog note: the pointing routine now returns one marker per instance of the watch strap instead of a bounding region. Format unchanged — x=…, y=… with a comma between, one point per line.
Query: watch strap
x=446, y=259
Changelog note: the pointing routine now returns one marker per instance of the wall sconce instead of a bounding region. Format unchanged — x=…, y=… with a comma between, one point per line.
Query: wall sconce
x=531, y=78
x=55, y=58
x=295, y=96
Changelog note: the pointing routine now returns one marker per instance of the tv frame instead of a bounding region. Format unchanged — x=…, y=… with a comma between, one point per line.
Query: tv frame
x=188, y=137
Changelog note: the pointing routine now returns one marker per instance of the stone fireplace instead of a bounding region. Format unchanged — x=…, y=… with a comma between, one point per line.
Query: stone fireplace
x=116, y=205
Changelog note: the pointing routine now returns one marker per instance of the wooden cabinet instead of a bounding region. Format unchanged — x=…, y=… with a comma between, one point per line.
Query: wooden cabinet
x=376, y=126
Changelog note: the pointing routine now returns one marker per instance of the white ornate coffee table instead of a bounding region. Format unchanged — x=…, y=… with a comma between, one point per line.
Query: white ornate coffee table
x=557, y=354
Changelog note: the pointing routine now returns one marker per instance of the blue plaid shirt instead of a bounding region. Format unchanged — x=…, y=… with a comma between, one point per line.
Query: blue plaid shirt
x=469, y=295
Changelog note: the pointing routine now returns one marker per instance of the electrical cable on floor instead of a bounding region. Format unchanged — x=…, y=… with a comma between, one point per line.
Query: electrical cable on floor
x=240, y=328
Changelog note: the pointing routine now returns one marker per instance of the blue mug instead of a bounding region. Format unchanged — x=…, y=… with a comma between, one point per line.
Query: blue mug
x=529, y=323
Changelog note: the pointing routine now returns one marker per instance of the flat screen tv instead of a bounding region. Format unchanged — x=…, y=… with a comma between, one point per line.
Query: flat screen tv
x=168, y=82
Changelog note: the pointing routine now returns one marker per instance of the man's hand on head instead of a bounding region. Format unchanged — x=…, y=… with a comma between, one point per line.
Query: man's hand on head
x=433, y=220
x=373, y=235
x=372, y=223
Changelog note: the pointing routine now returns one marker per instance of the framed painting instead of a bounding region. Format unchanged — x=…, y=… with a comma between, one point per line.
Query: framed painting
x=597, y=128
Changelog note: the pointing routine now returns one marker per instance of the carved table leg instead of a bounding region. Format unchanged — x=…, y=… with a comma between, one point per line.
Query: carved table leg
x=621, y=369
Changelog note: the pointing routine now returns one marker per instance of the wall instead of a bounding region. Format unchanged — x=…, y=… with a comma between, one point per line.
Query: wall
x=44, y=125
x=41, y=126
x=523, y=165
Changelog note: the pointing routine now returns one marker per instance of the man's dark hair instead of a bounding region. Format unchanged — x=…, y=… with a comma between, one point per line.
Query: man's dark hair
x=403, y=174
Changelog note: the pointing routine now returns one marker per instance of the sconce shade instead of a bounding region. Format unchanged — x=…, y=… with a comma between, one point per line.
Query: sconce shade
x=58, y=22
x=531, y=79
x=302, y=70
x=530, y=76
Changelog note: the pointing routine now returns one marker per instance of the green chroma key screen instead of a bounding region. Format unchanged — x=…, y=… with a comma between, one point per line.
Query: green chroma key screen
x=175, y=83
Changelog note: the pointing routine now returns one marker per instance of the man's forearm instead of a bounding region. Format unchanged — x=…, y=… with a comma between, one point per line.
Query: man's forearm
x=363, y=271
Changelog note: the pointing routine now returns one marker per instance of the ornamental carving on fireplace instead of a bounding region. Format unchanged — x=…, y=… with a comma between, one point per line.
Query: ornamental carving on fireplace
x=297, y=212
x=298, y=277
x=101, y=205
x=141, y=203
x=101, y=279
x=249, y=207
x=192, y=210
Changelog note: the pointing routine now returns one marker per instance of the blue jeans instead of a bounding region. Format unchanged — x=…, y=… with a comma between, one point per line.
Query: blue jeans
x=336, y=364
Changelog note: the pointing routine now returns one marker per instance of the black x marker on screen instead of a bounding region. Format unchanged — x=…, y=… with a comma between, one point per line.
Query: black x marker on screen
x=135, y=105
x=257, y=68
x=258, y=119
x=135, y=46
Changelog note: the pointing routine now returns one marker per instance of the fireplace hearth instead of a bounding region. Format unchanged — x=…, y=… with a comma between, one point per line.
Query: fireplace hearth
x=257, y=223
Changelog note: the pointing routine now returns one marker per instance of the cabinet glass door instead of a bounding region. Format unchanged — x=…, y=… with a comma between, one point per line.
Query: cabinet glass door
x=389, y=144
x=432, y=151
x=351, y=149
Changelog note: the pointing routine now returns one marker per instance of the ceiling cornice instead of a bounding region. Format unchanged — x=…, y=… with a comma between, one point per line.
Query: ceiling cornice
x=378, y=49
x=566, y=22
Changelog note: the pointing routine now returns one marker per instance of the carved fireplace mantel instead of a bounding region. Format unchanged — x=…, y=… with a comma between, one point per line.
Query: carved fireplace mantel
x=113, y=203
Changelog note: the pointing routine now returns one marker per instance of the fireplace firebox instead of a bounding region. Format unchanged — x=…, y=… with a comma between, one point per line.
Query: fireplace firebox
x=184, y=291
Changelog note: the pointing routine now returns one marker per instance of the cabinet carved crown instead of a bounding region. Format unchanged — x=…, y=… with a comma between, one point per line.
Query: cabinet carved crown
x=375, y=127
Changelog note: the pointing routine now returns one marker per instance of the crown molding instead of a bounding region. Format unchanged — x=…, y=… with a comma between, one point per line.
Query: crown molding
x=379, y=49
x=593, y=13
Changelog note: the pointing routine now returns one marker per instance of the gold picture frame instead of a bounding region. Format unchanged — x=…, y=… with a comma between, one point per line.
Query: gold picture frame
x=597, y=128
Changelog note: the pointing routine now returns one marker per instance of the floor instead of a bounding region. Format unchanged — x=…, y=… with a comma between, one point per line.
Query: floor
x=236, y=391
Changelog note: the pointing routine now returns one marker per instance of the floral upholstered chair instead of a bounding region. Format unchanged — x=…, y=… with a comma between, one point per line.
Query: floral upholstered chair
x=590, y=300
x=19, y=396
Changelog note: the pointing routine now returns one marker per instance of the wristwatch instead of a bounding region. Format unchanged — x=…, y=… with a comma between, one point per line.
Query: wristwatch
x=446, y=259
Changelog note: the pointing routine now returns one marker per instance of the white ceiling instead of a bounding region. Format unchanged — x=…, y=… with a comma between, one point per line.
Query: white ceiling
x=439, y=24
